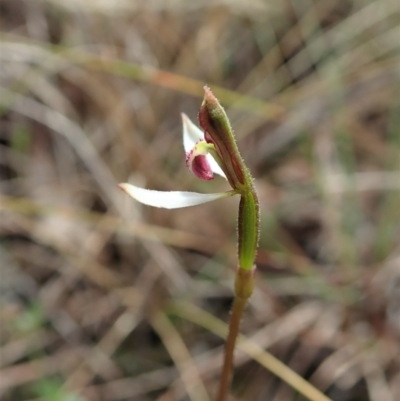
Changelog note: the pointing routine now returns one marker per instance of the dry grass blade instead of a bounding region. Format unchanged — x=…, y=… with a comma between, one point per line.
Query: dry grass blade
x=181, y=357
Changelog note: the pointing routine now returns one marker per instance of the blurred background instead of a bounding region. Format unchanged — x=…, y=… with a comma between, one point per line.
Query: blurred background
x=105, y=299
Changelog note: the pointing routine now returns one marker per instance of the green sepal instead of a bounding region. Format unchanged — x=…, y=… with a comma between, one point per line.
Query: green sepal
x=214, y=121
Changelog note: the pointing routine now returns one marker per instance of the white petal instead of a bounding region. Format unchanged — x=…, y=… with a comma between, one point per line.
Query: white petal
x=171, y=199
x=191, y=133
x=216, y=169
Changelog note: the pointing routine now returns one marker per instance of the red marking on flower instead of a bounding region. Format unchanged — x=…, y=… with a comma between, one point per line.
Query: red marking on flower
x=199, y=165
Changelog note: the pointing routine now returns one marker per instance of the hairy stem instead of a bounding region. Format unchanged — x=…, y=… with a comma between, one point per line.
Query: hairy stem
x=234, y=323
x=244, y=284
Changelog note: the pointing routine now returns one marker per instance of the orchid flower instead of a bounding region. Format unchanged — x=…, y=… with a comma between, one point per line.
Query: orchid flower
x=201, y=160
x=212, y=150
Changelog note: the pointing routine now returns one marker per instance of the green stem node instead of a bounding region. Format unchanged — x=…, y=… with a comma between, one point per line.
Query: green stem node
x=244, y=283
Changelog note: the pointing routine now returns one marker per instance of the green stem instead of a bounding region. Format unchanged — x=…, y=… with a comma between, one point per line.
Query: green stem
x=248, y=228
x=248, y=233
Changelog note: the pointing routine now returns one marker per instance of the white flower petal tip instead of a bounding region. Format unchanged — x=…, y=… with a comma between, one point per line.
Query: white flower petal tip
x=171, y=199
x=191, y=133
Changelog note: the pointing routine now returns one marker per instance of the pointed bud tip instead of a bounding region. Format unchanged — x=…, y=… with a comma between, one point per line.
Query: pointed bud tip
x=209, y=105
x=209, y=98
